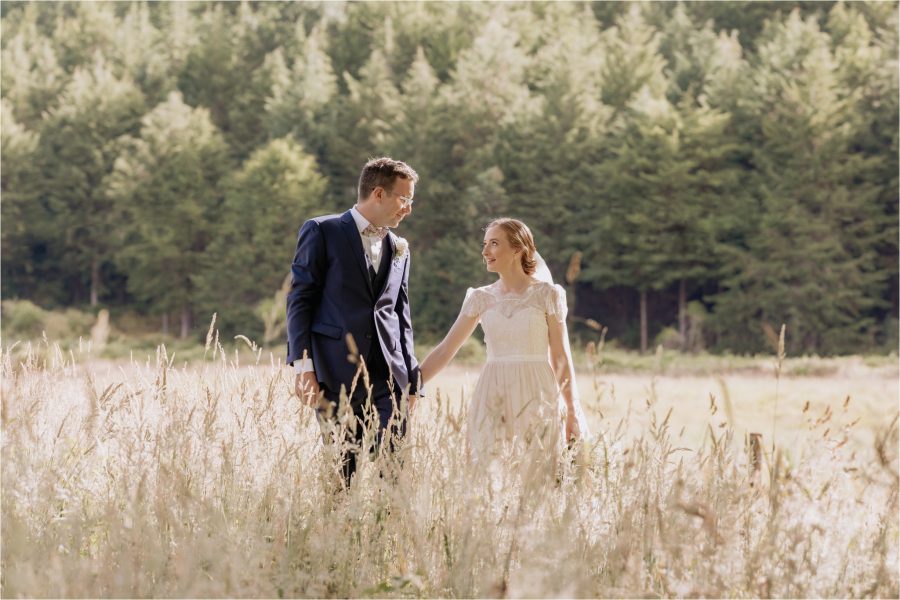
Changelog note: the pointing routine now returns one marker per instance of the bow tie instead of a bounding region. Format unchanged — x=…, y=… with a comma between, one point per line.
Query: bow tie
x=378, y=232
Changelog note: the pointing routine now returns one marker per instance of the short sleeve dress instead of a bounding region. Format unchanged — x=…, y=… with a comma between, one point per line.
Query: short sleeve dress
x=517, y=398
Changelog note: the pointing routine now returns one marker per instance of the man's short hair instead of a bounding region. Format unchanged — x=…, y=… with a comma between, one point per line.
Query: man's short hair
x=383, y=172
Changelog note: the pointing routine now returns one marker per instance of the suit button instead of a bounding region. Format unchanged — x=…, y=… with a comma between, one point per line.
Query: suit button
x=368, y=336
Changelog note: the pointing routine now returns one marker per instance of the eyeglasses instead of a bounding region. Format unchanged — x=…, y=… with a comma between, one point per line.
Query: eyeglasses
x=405, y=201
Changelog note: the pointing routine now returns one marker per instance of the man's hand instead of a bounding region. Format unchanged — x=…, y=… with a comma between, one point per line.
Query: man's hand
x=307, y=388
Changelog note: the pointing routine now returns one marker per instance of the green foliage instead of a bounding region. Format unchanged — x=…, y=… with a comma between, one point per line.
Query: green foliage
x=24, y=320
x=276, y=188
x=79, y=145
x=19, y=206
x=160, y=157
x=167, y=182
x=811, y=262
x=452, y=266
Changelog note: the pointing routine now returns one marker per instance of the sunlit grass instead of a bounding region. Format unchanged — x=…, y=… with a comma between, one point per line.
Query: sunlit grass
x=159, y=478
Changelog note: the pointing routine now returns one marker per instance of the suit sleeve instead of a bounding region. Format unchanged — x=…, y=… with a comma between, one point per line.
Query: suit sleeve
x=307, y=277
x=406, y=332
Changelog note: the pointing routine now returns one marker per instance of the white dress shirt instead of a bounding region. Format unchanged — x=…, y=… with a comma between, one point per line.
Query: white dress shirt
x=371, y=243
x=372, y=246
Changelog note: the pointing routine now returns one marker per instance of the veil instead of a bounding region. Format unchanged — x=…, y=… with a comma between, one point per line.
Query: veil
x=542, y=273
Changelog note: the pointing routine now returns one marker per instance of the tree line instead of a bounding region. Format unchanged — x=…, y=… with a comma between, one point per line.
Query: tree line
x=695, y=173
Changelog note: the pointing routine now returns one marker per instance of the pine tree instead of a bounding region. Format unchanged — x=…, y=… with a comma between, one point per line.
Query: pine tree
x=140, y=52
x=32, y=78
x=265, y=202
x=25, y=226
x=302, y=98
x=360, y=124
x=866, y=60
x=168, y=183
x=631, y=60
x=78, y=146
x=616, y=226
x=811, y=261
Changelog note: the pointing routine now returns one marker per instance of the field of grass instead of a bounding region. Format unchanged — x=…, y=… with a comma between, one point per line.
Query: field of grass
x=156, y=477
x=856, y=403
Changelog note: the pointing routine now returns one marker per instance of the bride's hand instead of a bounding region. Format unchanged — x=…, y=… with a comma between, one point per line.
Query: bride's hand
x=571, y=426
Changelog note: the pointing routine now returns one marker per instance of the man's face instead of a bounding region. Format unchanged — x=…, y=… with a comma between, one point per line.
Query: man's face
x=396, y=204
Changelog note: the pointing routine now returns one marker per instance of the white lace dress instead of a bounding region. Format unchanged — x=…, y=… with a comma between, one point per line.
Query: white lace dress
x=517, y=399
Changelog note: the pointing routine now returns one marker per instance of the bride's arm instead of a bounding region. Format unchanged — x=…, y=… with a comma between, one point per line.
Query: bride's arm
x=444, y=352
x=559, y=359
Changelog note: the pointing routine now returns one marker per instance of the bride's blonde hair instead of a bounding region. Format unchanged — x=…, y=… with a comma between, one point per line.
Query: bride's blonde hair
x=520, y=238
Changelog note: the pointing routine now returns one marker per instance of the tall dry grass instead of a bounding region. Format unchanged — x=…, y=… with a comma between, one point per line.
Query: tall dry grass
x=209, y=480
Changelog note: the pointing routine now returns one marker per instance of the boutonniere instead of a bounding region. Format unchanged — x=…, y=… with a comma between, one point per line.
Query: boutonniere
x=401, y=247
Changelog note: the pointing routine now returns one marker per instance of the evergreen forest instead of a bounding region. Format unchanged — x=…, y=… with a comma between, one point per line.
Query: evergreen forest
x=695, y=173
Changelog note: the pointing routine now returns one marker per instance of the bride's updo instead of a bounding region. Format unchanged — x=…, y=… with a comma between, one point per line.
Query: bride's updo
x=520, y=238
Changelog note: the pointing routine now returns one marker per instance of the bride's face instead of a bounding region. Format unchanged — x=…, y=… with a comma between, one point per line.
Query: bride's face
x=499, y=255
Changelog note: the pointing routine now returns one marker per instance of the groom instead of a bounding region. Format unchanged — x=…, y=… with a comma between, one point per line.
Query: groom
x=350, y=281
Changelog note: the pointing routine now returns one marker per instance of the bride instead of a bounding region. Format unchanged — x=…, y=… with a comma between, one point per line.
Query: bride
x=526, y=393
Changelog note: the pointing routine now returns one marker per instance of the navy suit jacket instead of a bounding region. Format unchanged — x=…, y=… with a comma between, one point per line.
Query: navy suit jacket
x=332, y=296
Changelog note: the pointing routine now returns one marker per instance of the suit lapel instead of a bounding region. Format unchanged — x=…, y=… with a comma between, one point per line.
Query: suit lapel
x=384, y=268
x=355, y=241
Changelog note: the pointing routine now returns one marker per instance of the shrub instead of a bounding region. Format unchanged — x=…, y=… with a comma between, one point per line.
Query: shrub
x=24, y=320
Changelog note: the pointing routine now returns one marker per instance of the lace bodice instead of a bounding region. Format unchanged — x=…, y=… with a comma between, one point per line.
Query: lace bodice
x=515, y=325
